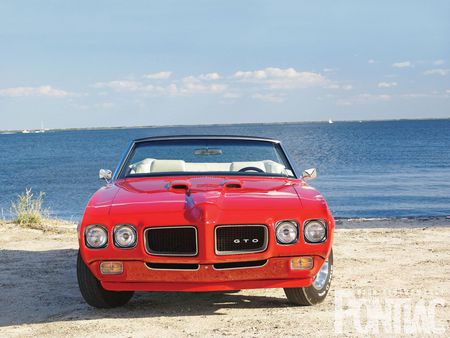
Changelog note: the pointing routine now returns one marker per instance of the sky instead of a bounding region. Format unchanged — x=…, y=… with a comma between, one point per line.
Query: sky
x=72, y=64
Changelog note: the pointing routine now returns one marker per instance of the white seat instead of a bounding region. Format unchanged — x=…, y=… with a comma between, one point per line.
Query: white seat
x=151, y=165
x=141, y=167
x=164, y=166
x=201, y=167
x=274, y=167
x=236, y=166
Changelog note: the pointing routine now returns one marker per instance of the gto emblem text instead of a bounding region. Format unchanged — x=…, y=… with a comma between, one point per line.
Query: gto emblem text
x=246, y=240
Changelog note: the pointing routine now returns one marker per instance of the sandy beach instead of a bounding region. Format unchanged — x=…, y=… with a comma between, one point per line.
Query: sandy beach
x=406, y=259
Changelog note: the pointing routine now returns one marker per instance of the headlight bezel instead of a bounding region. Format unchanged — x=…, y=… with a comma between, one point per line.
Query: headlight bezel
x=117, y=227
x=291, y=222
x=315, y=220
x=90, y=227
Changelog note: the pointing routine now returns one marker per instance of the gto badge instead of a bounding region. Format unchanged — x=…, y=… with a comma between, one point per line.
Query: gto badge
x=245, y=240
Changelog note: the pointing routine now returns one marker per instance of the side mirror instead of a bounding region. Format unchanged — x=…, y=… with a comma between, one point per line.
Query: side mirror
x=309, y=174
x=105, y=174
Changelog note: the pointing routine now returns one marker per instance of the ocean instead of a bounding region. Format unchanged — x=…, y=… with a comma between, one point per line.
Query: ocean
x=365, y=169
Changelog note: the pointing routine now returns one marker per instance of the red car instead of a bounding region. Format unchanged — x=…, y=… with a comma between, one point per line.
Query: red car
x=205, y=213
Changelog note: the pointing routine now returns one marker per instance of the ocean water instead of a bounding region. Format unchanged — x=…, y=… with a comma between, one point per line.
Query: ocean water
x=365, y=169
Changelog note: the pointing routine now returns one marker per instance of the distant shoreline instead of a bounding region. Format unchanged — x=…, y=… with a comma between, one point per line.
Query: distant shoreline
x=7, y=131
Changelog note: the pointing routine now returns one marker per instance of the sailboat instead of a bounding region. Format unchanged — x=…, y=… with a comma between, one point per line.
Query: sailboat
x=42, y=130
x=330, y=121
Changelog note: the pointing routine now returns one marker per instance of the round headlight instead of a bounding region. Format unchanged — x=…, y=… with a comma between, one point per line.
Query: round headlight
x=124, y=236
x=315, y=231
x=96, y=236
x=287, y=232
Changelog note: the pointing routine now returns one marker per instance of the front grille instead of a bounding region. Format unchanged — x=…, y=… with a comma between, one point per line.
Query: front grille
x=236, y=239
x=172, y=241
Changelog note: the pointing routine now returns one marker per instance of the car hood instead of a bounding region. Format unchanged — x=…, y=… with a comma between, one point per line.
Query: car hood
x=204, y=198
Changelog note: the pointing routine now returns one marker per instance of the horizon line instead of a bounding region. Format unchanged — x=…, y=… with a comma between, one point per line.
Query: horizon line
x=224, y=124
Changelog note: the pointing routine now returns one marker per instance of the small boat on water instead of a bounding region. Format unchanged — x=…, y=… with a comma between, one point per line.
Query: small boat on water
x=330, y=121
x=42, y=130
x=25, y=131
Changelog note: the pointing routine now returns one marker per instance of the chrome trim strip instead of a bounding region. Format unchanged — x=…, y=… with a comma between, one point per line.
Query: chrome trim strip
x=224, y=253
x=288, y=160
x=123, y=160
x=205, y=137
x=171, y=227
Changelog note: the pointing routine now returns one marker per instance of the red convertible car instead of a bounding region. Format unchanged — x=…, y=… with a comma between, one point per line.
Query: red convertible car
x=205, y=213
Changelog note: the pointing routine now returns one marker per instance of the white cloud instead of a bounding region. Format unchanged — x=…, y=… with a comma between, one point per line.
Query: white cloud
x=231, y=95
x=242, y=83
x=158, y=76
x=437, y=71
x=371, y=97
x=105, y=105
x=432, y=95
x=387, y=84
x=371, y=61
x=47, y=91
x=347, y=87
x=191, y=85
x=439, y=62
x=402, y=64
x=190, y=88
x=277, y=78
x=119, y=85
x=272, y=98
x=270, y=72
x=337, y=86
x=209, y=76
x=187, y=86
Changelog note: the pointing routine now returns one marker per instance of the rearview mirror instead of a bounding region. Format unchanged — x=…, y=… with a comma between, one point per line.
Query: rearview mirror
x=309, y=174
x=105, y=174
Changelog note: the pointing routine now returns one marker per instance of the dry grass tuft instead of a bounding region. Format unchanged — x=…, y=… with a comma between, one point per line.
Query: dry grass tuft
x=28, y=209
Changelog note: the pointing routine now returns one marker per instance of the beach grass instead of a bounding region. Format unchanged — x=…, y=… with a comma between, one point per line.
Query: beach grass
x=28, y=209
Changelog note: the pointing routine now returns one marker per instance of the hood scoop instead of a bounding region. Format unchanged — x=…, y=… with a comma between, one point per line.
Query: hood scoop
x=179, y=185
x=232, y=184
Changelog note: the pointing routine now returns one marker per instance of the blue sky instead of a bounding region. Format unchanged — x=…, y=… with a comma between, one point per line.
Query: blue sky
x=125, y=63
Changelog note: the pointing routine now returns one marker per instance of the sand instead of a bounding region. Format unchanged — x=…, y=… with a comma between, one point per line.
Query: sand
x=404, y=260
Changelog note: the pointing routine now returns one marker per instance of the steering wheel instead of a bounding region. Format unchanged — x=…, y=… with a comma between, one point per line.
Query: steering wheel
x=259, y=170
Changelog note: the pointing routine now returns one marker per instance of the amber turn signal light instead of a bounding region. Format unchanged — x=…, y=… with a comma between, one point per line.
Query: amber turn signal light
x=302, y=263
x=111, y=268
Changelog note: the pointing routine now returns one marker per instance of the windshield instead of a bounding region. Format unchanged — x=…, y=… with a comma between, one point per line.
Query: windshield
x=206, y=156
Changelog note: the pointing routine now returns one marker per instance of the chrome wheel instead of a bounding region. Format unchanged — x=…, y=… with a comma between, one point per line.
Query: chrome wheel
x=318, y=290
x=321, y=277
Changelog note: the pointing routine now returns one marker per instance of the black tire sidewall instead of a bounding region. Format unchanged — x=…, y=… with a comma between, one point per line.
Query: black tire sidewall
x=315, y=296
x=93, y=292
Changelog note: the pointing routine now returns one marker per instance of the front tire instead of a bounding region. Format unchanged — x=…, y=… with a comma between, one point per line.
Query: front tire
x=93, y=292
x=317, y=291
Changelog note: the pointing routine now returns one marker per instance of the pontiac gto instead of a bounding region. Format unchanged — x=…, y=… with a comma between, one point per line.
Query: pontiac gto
x=205, y=213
